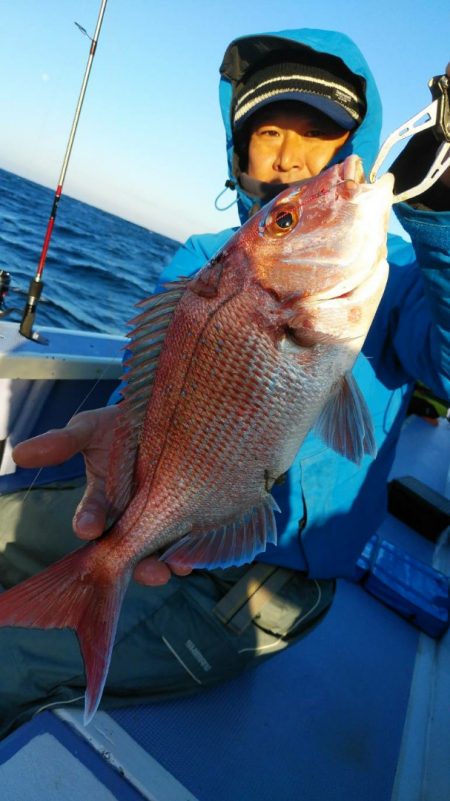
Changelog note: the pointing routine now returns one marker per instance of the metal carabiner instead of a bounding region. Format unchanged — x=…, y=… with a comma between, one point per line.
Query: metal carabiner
x=436, y=115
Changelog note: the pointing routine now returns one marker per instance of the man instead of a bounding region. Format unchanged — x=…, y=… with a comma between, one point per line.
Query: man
x=293, y=103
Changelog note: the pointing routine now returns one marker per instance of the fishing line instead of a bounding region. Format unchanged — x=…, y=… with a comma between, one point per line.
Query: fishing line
x=101, y=377
x=321, y=193
x=57, y=704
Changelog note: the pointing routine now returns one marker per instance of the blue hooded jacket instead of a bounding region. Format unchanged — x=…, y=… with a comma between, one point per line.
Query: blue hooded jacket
x=330, y=506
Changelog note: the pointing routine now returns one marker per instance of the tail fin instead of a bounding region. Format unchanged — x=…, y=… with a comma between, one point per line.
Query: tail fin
x=72, y=594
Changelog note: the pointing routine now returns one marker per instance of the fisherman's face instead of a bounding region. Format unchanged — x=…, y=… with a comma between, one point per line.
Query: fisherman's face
x=291, y=141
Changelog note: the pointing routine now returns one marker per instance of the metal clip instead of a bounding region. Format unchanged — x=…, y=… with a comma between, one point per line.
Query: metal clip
x=436, y=115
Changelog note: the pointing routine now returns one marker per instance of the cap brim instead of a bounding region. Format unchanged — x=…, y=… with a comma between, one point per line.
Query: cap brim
x=323, y=104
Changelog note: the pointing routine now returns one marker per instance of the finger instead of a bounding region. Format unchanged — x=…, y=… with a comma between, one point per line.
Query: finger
x=58, y=445
x=180, y=571
x=152, y=572
x=89, y=523
x=89, y=520
x=50, y=448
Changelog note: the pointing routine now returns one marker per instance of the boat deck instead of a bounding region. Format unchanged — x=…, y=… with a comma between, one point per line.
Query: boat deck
x=323, y=719
x=356, y=710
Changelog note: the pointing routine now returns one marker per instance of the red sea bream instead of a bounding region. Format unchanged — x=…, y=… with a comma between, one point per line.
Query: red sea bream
x=228, y=372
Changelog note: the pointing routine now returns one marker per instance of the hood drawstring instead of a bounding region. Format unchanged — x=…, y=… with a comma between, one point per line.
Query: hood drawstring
x=229, y=184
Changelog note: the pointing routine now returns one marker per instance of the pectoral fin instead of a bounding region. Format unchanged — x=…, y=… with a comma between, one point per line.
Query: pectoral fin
x=345, y=423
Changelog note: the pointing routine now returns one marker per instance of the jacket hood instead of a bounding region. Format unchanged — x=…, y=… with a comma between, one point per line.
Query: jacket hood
x=248, y=50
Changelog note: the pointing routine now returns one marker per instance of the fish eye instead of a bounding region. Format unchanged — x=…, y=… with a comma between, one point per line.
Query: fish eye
x=281, y=220
x=284, y=219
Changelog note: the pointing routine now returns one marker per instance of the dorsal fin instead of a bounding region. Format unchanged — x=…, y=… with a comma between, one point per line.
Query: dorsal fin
x=146, y=342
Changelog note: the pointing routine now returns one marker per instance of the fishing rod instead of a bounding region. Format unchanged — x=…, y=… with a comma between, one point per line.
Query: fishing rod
x=36, y=284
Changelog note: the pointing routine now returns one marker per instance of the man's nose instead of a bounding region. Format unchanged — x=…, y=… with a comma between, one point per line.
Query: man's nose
x=291, y=153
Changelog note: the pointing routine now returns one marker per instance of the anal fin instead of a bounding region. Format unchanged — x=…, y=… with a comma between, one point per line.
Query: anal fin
x=233, y=544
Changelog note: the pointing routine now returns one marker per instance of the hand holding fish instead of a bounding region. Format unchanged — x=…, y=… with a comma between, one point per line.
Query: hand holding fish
x=90, y=433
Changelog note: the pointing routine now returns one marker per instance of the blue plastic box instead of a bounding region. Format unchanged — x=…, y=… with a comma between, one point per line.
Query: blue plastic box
x=410, y=587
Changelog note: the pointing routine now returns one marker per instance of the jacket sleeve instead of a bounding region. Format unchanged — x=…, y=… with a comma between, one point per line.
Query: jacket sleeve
x=192, y=255
x=421, y=326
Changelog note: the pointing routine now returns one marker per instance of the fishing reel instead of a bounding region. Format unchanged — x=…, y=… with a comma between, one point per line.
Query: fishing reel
x=5, y=285
x=5, y=281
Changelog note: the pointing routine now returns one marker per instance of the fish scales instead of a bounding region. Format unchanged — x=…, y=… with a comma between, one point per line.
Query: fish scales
x=231, y=413
x=190, y=414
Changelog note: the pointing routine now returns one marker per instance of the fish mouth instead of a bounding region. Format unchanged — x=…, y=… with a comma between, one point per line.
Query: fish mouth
x=351, y=170
x=362, y=281
x=369, y=280
x=348, y=177
x=354, y=185
x=352, y=291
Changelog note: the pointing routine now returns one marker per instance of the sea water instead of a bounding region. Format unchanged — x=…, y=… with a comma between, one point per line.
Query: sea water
x=98, y=265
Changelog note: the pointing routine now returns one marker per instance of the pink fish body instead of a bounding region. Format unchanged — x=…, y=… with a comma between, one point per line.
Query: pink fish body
x=229, y=371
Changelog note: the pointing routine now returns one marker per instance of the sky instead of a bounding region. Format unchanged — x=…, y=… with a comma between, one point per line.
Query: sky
x=150, y=145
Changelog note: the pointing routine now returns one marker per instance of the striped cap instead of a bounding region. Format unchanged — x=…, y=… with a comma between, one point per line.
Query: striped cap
x=329, y=93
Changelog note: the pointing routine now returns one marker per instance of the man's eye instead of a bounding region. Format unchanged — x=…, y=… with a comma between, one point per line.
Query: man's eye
x=268, y=132
x=315, y=133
